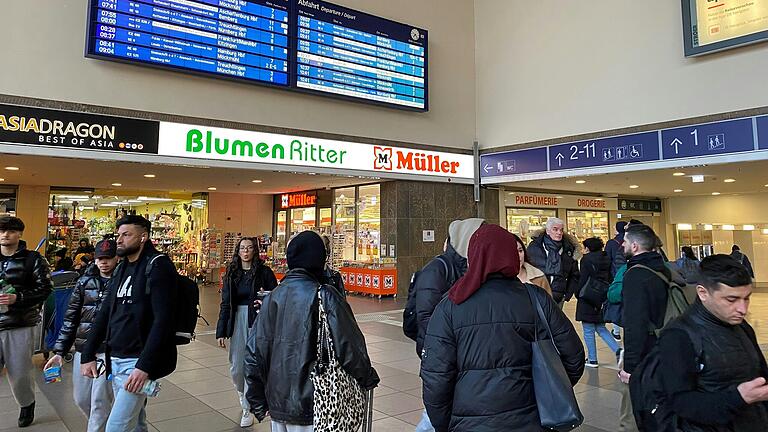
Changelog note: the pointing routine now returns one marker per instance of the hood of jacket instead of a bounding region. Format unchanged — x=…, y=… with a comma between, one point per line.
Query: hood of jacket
x=459, y=233
x=532, y=271
x=569, y=242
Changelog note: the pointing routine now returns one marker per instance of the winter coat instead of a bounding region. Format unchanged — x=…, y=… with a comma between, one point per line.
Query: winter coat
x=689, y=268
x=431, y=285
x=595, y=265
x=31, y=289
x=282, y=348
x=645, y=303
x=155, y=326
x=333, y=277
x=536, y=277
x=84, y=304
x=476, y=366
x=701, y=383
x=565, y=284
x=263, y=278
x=613, y=248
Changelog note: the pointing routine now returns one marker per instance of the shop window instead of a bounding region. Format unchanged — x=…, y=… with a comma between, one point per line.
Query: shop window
x=7, y=201
x=526, y=222
x=344, y=226
x=325, y=221
x=587, y=224
x=303, y=219
x=280, y=232
x=369, y=229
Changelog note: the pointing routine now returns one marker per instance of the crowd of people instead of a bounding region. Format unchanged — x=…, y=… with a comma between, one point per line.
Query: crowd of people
x=498, y=353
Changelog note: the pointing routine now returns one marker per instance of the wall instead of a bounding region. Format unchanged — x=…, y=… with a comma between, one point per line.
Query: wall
x=723, y=209
x=552, y=68
x=409, y=208
x=32, y=208
x=250, y=215
x=57, y=44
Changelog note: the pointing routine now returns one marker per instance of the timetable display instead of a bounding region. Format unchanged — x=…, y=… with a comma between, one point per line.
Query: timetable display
x=240, y=39
x=349, y=53
x=715, y=25
x=302, y=45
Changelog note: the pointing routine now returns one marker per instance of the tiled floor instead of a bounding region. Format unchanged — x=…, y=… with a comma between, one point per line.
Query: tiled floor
x=199, y=395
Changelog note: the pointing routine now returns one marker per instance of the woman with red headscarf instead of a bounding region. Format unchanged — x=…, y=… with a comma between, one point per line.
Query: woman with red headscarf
x=476, y=363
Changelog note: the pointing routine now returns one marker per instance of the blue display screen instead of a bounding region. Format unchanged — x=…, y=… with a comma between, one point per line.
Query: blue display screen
x=349, y=53
x=298, y=44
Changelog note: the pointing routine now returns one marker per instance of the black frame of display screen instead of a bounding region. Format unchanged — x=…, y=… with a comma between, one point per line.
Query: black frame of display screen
x=689, y=11
x=292, y=60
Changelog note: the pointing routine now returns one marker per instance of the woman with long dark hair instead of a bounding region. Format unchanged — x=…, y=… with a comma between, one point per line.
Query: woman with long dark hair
x=528, y=272
x=247, y=276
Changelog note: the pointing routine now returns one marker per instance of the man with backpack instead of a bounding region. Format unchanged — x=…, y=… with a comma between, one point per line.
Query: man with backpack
x=714, y=374
x=25, y=285
x=137, y=322
x=429, y=285
x=739, y=256
x=644, y=299
x=614, y=248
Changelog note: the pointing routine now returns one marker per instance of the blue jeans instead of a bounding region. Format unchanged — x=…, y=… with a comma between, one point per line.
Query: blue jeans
x=589, y=339
x=128, y=413
x=425, y=425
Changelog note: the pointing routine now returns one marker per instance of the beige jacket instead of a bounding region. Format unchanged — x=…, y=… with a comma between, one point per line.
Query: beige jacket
x=536, y=277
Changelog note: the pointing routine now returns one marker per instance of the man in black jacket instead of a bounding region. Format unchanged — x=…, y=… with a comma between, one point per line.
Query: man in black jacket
x=139, y=314
x=29, y=275
x=714, y=372
x=436, y=278
x=739, y=256
x=553, y=253
x=645, y=302
x=93, y=396
x=282, y=347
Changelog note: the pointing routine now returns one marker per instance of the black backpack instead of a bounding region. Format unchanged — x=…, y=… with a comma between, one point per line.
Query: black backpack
x=187, y=304
x=647, y=390
x=410, y=320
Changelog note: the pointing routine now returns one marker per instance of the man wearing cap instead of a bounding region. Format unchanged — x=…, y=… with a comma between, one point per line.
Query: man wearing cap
x=92, y=395
x=27, y=284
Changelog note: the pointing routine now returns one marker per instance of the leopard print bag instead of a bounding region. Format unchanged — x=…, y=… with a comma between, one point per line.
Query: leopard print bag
x=339, y=401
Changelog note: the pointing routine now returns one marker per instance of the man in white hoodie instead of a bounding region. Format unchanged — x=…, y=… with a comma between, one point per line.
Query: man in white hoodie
x=436, y=278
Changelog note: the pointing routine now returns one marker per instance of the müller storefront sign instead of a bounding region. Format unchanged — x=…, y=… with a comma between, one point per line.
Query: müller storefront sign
x=200, y=142
x=54, y=128
x=298, y=200
x=536, y=200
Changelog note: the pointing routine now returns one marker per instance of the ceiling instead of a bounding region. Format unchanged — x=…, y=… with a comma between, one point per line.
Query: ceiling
x=94, y=174
x=751, y=177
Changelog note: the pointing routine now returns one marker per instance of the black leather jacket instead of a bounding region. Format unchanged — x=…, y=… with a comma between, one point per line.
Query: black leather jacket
x=86, y=299
x=31, y=289
x=282, y=348
x=263, y=279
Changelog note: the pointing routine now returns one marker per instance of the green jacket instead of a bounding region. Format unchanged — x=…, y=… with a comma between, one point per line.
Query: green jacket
x=614, y=290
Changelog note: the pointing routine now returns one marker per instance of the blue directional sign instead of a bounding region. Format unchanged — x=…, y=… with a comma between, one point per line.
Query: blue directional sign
x=514, y=162
x=642, y=147
x=708, y=139
x=762, y=132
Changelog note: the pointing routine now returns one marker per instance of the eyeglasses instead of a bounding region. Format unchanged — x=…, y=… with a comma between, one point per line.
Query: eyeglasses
x=246, y=248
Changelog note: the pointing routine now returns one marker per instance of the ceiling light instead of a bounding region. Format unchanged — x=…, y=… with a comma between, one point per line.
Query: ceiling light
x=580, y=181
x=729, y=227
x=678, y=174
x=715, y=193
x=255, y=181
x=729, y=180
x=2, y=179
x=12, y=168
x=633, y=186
x=697, y=179
x=143, y=198
x=211, y=188
x=108, y=205
x=678, y=190
x=117, y=184
x=66, y=202
x=134, y=201
x=748, y=228
x=149, y=175
x=684, y=227
x=75, y=197
x=707, y=227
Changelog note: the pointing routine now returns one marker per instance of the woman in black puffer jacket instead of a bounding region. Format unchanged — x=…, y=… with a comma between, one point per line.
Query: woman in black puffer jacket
x=595, y=265
x=476, y=367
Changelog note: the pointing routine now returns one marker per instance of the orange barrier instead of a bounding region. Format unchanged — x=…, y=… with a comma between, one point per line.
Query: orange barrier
x=378, y=282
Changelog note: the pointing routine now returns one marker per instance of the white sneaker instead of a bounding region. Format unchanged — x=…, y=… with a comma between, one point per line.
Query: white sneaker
x=246, y=420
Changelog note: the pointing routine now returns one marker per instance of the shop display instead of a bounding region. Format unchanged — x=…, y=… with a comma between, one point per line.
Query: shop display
x=587, y=224
x=7, y=201
x=525, y=222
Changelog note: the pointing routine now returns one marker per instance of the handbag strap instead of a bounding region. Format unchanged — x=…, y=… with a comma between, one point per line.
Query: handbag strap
x=324, y=340
x=540, y=312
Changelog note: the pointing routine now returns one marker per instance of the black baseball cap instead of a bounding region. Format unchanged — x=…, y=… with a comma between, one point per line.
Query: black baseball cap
x=106, y=249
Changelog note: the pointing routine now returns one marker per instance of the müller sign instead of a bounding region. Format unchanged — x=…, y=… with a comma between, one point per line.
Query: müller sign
x=199, y=142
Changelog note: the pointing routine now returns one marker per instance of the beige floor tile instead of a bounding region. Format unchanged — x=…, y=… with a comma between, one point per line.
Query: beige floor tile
x=222, y=400
x=397, y=403
x=402, y=382
x=413, y=417
x=215, y=385
x=192, y=375
x=174, y=409
x=391, y=424
x=206, y=422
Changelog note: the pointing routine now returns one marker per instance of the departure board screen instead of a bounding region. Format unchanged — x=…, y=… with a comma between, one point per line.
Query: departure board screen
x=304, y=45
x=240, y=39
x=353, y=54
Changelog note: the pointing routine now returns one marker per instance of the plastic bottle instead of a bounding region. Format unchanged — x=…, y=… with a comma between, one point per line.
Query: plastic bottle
x=5, y=288
x=151, y=388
